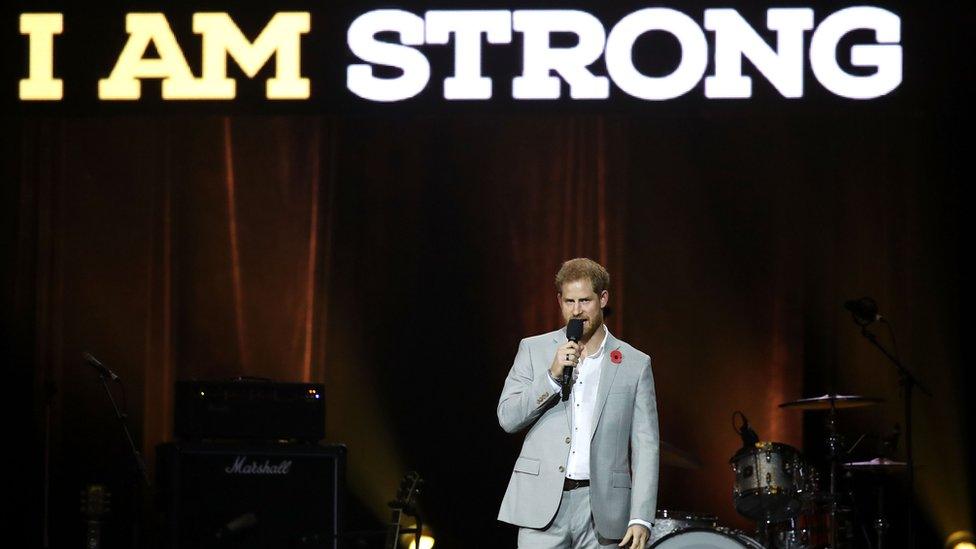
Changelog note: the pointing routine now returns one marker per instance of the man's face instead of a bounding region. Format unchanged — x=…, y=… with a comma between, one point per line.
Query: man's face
x=578, y=300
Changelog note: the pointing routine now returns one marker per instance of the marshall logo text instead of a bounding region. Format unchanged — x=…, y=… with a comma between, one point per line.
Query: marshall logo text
x=242, y=466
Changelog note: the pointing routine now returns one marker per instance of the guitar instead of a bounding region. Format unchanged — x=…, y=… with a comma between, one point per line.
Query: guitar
x=96, y=503
x=405, y=503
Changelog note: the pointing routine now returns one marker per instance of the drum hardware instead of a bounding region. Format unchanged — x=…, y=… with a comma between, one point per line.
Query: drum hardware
x=809, y=529
x=881, y=522
x=831, y=402
x=834, y=442
x=879, y=467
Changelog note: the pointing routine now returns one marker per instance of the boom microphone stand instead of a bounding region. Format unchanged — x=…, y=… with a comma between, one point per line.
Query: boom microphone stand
x=908, y=383
x=104, y=375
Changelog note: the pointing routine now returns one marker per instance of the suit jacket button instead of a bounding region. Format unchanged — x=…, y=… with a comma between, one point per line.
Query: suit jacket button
x=568, y=439
x=562, y=469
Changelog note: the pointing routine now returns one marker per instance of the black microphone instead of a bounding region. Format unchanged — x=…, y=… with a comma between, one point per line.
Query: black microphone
x=748, y=436
x=574, y=331
x=864, y=310
x=102, y=369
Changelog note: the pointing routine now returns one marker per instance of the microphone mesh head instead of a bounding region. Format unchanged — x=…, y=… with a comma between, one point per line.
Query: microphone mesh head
x=574, y=331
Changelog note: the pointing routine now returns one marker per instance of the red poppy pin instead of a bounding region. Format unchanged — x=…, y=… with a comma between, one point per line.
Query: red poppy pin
x=616, y=356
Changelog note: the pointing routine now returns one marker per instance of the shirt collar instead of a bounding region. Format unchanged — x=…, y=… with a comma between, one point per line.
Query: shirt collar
x=603, y=344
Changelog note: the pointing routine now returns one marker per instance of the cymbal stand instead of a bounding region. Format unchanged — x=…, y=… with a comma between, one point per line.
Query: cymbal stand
x=881, y=523
x=763, y=532
x=908, y=382
x=834, y=443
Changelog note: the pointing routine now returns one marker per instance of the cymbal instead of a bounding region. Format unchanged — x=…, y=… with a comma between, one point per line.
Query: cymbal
x=828, y=401
x=876, y=465
x=680, y=459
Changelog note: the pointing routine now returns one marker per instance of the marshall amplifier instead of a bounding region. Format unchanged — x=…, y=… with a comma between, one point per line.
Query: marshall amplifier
x=250, y=496
x=249, y=409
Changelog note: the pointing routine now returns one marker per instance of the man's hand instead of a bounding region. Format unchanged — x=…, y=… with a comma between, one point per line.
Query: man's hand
x=636, y=536
x=568, y=354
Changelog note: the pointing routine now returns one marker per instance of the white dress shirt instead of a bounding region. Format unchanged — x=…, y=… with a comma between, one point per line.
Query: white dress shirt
x=583, y=401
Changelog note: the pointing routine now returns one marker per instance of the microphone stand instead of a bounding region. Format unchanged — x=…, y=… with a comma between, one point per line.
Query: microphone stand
x=140, y=464
x=908, y=383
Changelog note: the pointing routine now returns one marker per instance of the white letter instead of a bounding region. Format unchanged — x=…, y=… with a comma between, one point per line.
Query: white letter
x=734, y=38
x=467, y=26
x=887, y=58
x=539, y=58
x=281, y=37
x=171, y=66
x=40, y=82
x=691, y=67
x=416, y=69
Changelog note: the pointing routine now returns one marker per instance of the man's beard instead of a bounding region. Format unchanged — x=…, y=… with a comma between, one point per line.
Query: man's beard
x=590, y=327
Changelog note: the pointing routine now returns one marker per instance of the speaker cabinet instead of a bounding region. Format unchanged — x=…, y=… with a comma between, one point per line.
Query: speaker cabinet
x=250, y=496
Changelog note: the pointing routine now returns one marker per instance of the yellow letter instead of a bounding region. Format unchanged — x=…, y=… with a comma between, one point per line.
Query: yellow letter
x=40, y=82
x=171, y=66
x=280, y=37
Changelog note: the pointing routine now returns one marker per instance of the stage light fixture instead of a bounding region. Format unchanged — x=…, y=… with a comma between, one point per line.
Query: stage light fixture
x=960, y=539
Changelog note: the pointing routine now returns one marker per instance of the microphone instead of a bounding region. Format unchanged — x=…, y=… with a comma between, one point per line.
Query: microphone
x=746, y=433
x=574, y=331
x=102, y=369
x=864, y=310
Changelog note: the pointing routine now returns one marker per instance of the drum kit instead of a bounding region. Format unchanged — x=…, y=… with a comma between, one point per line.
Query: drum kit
x=776, y=486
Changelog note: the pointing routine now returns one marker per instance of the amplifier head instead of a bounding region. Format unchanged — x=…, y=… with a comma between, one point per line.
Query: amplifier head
x=249, y=410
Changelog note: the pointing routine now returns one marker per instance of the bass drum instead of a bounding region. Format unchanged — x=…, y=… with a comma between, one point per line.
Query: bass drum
x=669, y=522
x=707, y=538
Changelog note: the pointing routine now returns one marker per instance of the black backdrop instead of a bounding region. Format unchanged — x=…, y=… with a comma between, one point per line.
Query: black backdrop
x=399, y=255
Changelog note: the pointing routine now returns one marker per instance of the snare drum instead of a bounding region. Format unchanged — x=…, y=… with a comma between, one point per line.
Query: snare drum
x=707, y=538
x=769, y=481
x=668, y=522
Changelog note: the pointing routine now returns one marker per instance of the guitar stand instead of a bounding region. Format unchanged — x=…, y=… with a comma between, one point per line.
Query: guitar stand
x=416, y=531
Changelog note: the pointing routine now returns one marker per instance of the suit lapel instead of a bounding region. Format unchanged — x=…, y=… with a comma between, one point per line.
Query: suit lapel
x=608, y=371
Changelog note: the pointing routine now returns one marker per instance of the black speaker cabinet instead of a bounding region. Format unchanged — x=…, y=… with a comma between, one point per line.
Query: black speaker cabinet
x=250, y=496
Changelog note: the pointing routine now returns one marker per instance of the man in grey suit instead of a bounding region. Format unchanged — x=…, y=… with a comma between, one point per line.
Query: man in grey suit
x=587, y=473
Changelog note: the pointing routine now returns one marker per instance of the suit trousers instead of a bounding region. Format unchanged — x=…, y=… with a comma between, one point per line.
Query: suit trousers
x=571, y=528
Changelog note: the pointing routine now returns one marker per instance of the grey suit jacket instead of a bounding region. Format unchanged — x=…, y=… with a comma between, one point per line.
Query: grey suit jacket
x=623, y=450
